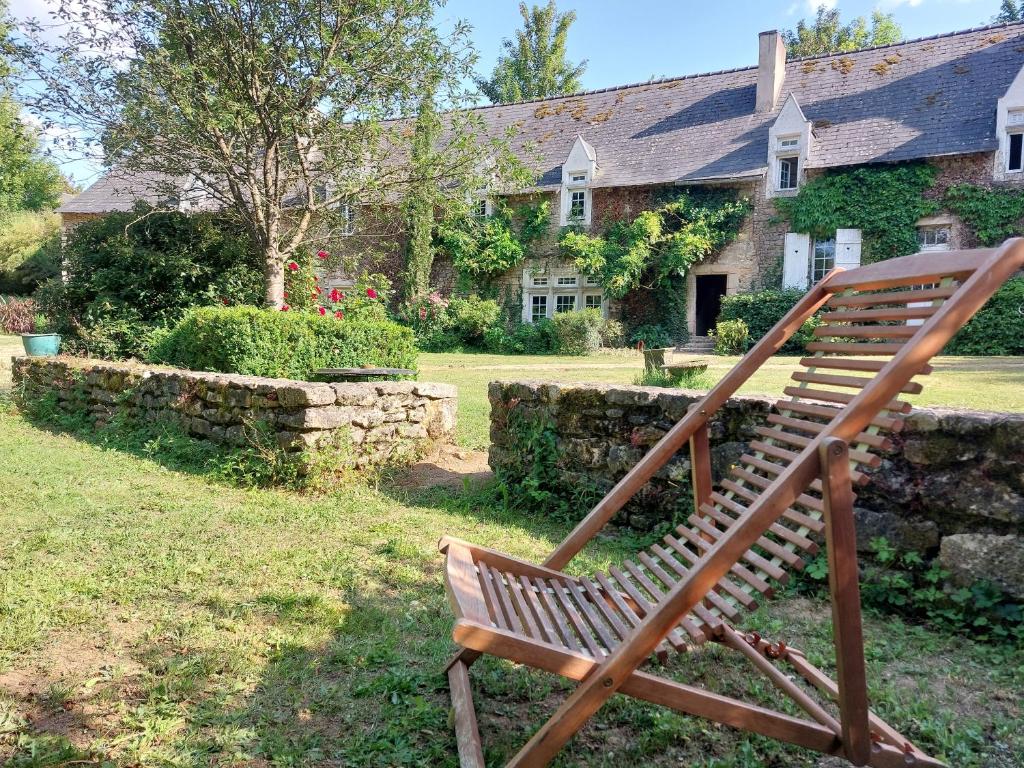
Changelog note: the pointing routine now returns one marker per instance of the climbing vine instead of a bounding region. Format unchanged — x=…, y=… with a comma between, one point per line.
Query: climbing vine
x=482, y=247
x=884, y=202
x=659, y=244
x=993, y=214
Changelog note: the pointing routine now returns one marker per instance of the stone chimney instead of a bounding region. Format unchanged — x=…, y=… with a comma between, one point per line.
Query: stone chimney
x=771, y=69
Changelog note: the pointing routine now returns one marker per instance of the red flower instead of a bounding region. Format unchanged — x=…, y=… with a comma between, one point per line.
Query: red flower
x=371, y=293
x=339, y=314
x=285, y=307
x=335, y=295
x=317, y=289
x=223, y=300
x=323, y=255
x=285, y=294
x=293, y=266
x=321, y=310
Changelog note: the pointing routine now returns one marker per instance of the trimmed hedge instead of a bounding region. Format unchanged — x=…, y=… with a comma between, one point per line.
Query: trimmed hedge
x=998, y=328
x=260, y=342
x=762, y=310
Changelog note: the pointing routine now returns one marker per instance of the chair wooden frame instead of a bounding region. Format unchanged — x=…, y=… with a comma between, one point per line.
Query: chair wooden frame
x=966, y=280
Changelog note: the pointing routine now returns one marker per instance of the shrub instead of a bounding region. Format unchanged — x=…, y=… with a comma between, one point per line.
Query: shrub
x=731, y=337
x=653, y=337
x=576, y=333
x=17, y=315
x=613, y=334
x=260, y=342
x=471, y=317
x=998, y=329
x=129, y=274
x=523, y=339
x=762, y=310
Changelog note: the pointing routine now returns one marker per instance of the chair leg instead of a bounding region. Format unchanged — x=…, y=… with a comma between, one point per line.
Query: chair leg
x=467, y=735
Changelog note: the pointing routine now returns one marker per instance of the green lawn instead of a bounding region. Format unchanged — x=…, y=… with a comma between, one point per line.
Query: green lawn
x=153, y=617
x=987, y=383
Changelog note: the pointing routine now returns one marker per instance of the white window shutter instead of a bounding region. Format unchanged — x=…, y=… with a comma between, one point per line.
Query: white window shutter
x=848, y=248
x=796, y=262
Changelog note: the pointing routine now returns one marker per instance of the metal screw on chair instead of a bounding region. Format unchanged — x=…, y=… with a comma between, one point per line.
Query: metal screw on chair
x=607, y=682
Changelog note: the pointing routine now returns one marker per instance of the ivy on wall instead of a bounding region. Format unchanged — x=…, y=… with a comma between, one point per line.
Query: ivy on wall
x=659, y=244
x=483, y=247
x=885, y=202
x=993, y=214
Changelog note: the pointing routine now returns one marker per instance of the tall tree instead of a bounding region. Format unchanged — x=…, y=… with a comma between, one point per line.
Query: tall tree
x=827, y=34
x=533, y=65
x=280, y=109
x=1009, y=11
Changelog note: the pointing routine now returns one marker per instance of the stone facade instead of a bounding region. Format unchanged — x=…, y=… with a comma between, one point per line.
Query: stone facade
x=951, y=473
x=379, y=423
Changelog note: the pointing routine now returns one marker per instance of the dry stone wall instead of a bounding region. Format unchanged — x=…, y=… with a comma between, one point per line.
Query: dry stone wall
x=953, y=482
x=381, y=422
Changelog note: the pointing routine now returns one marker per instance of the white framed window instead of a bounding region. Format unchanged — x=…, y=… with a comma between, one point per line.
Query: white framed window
x=565, y=302
x=823, y=258
x=480, y=208
x=592, y=301
x=539, y=282
x=578, y=205
x=933, y=238
x=590, y=281
x=538, y=307
x=348, y=219
x=566, y=281
x=789, y=172
x=577, y=178
x=789, y=142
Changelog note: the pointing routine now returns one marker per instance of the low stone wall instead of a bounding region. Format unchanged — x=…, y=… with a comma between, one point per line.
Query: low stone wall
x=954, y=480
x=379, y=422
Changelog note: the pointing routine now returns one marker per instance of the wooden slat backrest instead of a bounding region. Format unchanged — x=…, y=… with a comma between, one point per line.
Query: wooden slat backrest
x=874, y=312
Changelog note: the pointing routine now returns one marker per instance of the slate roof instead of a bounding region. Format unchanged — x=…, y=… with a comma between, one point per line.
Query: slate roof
x=921, y=98
x=119, y=192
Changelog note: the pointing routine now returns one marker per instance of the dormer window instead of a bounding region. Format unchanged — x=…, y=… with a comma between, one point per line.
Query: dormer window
x=789, y=150
x=578, y=178
x=789, y=142
x=1009, y=155
x=578, y=172
x=578, y=205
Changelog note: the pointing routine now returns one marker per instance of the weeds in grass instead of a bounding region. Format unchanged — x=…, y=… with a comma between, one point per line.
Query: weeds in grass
x=680, y=379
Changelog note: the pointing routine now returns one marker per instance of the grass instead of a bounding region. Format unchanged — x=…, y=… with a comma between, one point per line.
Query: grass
x=150, y=616
x=985, y=383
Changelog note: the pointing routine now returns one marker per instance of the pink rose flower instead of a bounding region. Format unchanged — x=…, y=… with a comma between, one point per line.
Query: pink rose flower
x=371, y=293
x=293, y=266
x=323, y=255
x=285, y=307
x=322, y=311
x=335, y=295
x=339, y=314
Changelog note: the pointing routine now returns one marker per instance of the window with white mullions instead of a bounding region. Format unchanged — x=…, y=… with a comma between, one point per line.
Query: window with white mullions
x=578, y=205
x=565, y=302
x=824, y=258
x=788, y=172
x=538, y=308
x=592, y=301
x=933, y=238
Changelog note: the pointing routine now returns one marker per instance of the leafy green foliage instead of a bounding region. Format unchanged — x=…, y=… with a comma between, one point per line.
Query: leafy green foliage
x=522, y=339
x=443, y=325
x=993, y=214
x=678, y=378
x=534, y=66
x=998, y=328
x=576, y=333
x=906, y=584
x=827, y=34
x=1009, y=10
x=28, y=180
x=290, y=345
x=652, y=337
x=884, y=202
x=483, y=247
x=657, y=244
x=29, y=250
x=130, y=273
x=421, y=199
x=762, y=310
x=731, y=337
x=17, y=315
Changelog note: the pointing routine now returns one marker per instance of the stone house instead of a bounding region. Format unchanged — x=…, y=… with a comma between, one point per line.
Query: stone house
x=956, y=100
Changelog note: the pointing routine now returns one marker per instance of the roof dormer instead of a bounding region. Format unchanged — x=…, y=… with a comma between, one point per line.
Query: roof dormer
x=789, y=147
x=577, y=177
x=1009, y=159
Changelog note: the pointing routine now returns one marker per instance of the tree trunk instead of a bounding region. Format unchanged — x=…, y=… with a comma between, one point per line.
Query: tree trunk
x=273, y=278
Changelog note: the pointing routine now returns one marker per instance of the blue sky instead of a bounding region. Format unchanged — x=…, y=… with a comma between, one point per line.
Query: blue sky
x=628, y=41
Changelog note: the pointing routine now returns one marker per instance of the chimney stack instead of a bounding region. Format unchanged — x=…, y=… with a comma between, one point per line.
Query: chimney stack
x=771, y=69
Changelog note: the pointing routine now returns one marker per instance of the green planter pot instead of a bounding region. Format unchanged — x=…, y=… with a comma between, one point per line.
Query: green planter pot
x=41, y=344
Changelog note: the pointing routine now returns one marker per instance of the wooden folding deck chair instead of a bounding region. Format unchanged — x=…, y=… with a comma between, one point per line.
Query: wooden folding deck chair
x=882, y=324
